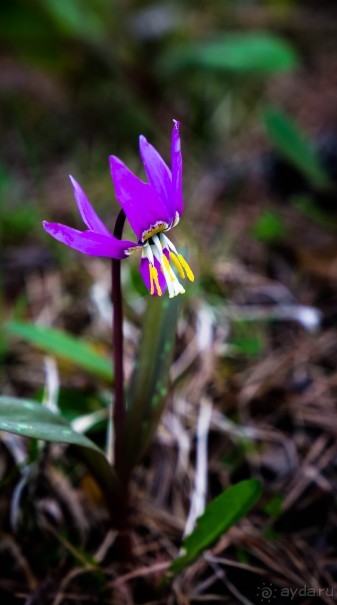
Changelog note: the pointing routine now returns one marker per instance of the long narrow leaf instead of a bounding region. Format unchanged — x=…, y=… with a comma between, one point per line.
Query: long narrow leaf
x=258, y=53
x=64, y=346
x=149, y=383
x=292, y=143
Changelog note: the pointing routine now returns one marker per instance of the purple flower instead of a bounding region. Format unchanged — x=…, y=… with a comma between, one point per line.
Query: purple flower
x=151, y=208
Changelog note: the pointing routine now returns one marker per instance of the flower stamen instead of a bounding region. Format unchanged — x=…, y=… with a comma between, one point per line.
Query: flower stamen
x=174, y=258
x=162, y=244
x=154, y=280
x=168, y=268
x=160, y=248
x=170, y=285
x=151, y=280
x=186, y=267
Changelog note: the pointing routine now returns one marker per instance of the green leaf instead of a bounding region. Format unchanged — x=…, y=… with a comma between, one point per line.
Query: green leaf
x=149, y=382
x=31, y=419
x=64, y=346
x=269, y=227
x=273, y=507
x=251, y=345
x=312, y=211
x=257, y=53
x=293, y=144
x=77, y=18
x=223, y=512
x=103, y=473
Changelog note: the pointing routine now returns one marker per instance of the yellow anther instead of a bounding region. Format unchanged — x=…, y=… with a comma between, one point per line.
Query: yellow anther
x=186, y=267
x=177, y=264
x=155, y=280
x=168, y=268
x=151, y=279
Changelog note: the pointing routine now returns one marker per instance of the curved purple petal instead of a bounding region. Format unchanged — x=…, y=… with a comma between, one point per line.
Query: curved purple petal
x=145, y=273
x=177, y=170
x=158, y=173
x=87, y=212
x=143, y=207
x=88, y=242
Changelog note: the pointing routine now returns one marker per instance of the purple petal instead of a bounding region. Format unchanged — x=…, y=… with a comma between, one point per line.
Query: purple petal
x=142, y=205
x=177, y=170
x=144, y=271
x=88, y=214
x=157, y=172
x=88, y=242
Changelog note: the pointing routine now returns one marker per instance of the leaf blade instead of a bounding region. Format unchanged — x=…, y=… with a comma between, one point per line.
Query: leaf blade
x=149, y=382
x=237, y=501
x=62, y=345
x=258, y=53
x=289, y=140
x=30, y=419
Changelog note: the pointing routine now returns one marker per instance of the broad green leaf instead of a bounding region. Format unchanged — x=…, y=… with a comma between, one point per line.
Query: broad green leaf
x=223, y=512
x=64, y=346
x=149, y=383
x=30, y=419
x=293, y=144
x=257, y=53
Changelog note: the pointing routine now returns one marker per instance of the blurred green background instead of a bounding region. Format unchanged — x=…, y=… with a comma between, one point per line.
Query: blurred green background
x=81, y=79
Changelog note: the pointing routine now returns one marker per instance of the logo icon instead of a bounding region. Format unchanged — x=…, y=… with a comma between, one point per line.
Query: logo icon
x=266, y=593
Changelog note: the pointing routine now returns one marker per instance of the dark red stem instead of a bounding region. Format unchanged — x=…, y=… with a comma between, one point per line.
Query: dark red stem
x=119, y=413
x=117, y=326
